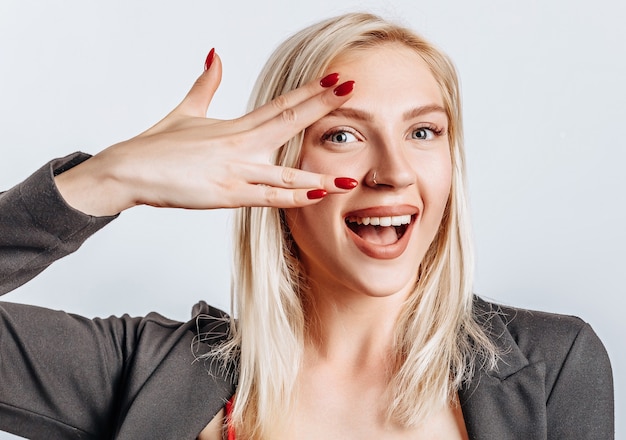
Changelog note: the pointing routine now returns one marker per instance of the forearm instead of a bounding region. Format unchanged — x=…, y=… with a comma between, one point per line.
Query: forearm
x=37, y=226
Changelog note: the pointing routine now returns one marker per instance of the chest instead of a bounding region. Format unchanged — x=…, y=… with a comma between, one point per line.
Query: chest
x=355, y=409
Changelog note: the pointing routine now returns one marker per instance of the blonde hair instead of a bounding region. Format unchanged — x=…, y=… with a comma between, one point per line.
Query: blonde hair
x=438, y=343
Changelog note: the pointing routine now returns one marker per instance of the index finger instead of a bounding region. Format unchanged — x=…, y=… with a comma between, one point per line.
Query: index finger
x=291, y=121
x=288, y=100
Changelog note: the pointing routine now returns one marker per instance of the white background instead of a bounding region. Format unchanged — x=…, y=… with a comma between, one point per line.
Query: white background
x=544, y=94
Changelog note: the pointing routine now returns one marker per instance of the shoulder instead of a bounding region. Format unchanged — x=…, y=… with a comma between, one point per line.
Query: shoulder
x=211, y=322
x=536, y=333
x=559, y=342
x=161, y=337
x=539, y=335
x=550, y=367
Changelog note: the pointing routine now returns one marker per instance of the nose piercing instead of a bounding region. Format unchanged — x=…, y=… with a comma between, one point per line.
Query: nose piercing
x=374, y=178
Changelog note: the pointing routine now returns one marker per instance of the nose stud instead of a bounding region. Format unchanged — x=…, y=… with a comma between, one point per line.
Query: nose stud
x=374, y=178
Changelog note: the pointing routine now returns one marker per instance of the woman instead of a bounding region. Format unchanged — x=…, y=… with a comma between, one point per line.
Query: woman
x=352, y=283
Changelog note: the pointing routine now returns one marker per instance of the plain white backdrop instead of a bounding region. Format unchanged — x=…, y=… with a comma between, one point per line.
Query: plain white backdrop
x=544, y=93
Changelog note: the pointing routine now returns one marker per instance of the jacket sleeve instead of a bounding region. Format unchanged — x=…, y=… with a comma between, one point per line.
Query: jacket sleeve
x=580, y=403
x=37, y=227
x=70, y=377
x=62, y=375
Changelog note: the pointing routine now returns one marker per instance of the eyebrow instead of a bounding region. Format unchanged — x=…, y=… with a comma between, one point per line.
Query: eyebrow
x=366, y=116
x=419, y=111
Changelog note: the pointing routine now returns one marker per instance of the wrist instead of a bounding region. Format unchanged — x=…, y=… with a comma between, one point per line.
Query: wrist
x=93, y=187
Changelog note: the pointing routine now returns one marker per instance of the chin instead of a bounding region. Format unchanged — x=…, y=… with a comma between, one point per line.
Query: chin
x=380, y=282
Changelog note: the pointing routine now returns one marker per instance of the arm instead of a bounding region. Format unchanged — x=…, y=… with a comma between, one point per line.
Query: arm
x=66, y=376
x=61, y=373
x=37, y=227
x=580, y=404
x=184, y=161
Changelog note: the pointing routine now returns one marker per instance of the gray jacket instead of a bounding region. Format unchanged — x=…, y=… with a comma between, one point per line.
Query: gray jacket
x=66, y=376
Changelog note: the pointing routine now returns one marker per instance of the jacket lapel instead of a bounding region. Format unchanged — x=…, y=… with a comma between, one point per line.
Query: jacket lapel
x=509, y=401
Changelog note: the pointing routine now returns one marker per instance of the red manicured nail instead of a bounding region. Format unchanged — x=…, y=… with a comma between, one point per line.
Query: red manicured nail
x=329, y=80
x=316, y=194
x=344, y=89
x=345, y=183
x=209, y=59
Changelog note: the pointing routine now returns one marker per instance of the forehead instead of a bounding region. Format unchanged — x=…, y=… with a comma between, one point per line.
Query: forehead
x=388, y=75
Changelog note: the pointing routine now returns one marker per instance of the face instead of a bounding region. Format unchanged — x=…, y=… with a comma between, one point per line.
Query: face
x=392, y=137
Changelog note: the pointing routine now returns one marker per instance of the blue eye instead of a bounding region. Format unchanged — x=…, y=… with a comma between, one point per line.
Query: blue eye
x=340, y=137
x=424, y=134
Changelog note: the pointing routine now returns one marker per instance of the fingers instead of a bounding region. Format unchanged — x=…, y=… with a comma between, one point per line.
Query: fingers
x=197, y=101
x=283, y=187
x=271, y=196
x=288, y=100
x=295, y=119
x=293, y=178
x=280, y=197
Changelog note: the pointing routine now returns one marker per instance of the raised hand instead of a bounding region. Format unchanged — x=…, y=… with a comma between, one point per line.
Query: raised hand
x=189, y=161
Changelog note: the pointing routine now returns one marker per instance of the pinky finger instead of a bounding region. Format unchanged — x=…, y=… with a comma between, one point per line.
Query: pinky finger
x=275, y=197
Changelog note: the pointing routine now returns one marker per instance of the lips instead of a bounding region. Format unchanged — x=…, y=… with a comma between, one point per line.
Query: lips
x=381, y=232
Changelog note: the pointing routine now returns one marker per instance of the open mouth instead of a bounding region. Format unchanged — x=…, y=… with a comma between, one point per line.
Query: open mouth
x=380, y=230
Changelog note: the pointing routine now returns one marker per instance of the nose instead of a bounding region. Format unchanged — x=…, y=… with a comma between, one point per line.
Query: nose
x=391, y=168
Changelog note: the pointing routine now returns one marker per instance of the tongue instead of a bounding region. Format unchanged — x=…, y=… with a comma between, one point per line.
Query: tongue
x=381, y=235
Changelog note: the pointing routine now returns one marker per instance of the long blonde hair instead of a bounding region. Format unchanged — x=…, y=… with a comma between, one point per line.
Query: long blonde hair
x=437, y=340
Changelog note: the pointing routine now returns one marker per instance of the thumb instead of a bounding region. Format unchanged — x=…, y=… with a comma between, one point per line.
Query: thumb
x=197, y=101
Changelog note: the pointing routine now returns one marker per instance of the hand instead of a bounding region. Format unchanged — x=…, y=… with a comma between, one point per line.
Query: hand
x=189, y=161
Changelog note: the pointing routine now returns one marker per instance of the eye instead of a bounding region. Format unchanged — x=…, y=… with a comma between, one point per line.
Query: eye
x=424, y=134
x=340, y=137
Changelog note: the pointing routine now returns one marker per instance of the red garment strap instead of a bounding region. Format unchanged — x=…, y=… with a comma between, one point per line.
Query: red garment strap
x=230, y=429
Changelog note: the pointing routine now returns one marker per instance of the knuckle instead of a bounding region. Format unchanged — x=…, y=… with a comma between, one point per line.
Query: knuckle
x=327, y=99
x=234, y=141
x=271, y=195
x=200, y=82
x=288, y=175
x=281, y=102
x=289, y=116
x=295, y=199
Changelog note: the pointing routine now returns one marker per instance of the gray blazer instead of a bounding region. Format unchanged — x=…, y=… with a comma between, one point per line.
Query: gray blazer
x=66, y=376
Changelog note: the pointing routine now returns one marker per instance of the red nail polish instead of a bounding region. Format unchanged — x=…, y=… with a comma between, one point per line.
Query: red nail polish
x=316, y=194
x=209, y=59
x=344, y=89
x=329, y=80
x=345, y=183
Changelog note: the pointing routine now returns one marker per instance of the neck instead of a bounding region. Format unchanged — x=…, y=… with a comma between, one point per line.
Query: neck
x=350, y=327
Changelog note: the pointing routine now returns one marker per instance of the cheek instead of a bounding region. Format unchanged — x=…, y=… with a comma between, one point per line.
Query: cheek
x=315, y=158
x=434, y=176
x=309, y=227
x=444, y=183
x=312, y=221
x=316, y=162
x=309, y=160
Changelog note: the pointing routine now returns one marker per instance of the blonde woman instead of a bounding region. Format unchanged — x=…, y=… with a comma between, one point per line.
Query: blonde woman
x=353, y=312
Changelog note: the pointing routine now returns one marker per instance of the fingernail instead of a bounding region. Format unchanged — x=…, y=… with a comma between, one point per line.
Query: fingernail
x=329, y=80
x=345, y=183
x=209, y=59
x=344, y=89
x=316, y=194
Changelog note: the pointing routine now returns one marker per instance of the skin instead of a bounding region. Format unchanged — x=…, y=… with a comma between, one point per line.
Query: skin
x=358, y=288
x=413, y=176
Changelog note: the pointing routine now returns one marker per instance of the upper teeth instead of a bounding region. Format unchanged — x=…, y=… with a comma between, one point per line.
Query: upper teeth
x=395, y=220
